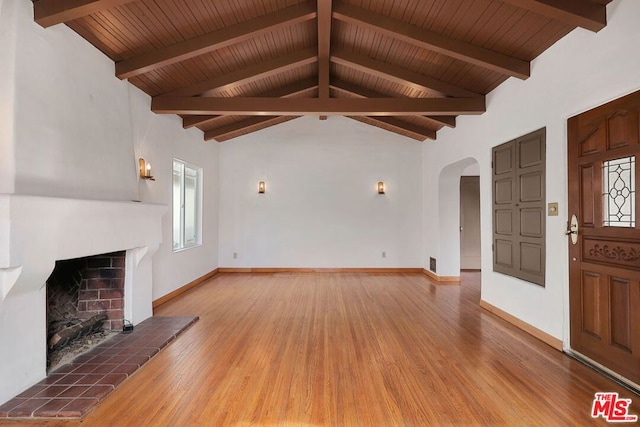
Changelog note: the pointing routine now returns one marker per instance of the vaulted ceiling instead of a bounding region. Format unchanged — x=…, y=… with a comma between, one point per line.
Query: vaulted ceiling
x=231, y=67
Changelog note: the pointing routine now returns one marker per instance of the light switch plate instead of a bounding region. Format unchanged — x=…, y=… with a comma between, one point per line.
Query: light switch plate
x=552, y=209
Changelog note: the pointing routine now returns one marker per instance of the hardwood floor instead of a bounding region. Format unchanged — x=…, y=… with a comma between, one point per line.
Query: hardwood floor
x=350, y=349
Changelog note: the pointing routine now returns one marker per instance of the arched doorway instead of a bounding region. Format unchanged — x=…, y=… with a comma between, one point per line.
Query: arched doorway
x=449, y=215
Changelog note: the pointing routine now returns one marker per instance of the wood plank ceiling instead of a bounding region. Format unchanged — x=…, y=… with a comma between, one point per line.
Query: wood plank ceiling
x=407, y=66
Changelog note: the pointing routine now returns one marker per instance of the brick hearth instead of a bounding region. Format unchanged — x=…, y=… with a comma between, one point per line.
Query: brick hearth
x=74, y=389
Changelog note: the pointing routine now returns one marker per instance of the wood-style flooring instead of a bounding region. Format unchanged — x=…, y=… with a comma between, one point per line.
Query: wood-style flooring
x=349, y=349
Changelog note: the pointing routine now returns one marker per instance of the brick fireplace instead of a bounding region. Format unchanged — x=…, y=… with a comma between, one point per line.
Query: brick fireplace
x=102, y=288
x=35, y=232
x=85, y=288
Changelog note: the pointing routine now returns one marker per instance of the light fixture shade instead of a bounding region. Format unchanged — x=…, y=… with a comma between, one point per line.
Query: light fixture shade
x=261, y=187
x=145, y=170
x=380, y=187
x=143, y=167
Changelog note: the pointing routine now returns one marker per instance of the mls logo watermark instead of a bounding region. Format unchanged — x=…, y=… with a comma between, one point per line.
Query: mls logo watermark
x=612, y=408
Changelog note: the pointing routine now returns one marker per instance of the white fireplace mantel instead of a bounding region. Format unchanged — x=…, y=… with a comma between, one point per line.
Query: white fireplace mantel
x=35, y=232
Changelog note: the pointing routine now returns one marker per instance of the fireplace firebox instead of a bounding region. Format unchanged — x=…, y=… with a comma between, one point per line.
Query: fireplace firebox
x=84, y=296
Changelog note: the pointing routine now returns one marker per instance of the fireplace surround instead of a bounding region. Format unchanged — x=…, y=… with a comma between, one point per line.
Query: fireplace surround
x=35, y=232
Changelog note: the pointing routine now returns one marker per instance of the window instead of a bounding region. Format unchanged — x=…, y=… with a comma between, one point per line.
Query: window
x=619, y=192
x=187, y=202
x=519, y=207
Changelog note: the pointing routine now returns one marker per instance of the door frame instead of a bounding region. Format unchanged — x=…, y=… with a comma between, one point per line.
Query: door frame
x=567, y=347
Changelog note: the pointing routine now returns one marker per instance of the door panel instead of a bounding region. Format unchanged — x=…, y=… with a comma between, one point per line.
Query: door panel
x=588, y=181
x=503, y=160
x=531, y=258
x=531, y=222
x=470, y=248
x=604, y=270
x=531, y=152
x=620, y=290
x=623, y=129
x=504, y=191
x=611, y=252
x=504, y=223
x=531, y=187
x=594, y=141
x=504, y=253
x=590, y=302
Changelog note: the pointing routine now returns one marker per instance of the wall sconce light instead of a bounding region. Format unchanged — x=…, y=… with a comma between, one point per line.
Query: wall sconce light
x=261, y=187
x=145, y=170
x=380, y=187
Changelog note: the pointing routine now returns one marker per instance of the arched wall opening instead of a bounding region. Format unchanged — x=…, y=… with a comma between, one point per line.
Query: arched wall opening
x=449, y=216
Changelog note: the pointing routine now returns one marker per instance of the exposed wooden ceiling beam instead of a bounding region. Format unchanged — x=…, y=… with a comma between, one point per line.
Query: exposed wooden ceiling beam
x=324, y=48
x=215, y=40
x=448, y=121
x=250, y=74
x=316, y=106
x=361, y=92
x=282, y=92
x=398, y=74
x=429, y=40
x=355, y=90
x=52, y=12
x=418, y=132
x=371, y=121
x=193, y=121
x=585, y=14
x=224, y=131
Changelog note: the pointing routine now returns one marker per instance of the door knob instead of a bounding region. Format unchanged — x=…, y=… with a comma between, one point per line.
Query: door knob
x=572, y=229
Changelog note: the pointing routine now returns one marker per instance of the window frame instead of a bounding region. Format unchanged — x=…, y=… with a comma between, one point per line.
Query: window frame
x=182, y=244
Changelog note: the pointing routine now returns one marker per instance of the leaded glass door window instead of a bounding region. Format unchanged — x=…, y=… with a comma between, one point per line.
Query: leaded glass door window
x=619, y=192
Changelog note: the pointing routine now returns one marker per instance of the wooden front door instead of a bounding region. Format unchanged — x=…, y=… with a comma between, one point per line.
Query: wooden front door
x=604, y=263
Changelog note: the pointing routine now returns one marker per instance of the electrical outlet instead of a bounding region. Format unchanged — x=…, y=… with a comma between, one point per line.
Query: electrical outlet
x=235, y=255
x=384, y=254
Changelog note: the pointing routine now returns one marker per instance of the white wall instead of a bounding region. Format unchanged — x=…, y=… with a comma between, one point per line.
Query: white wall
x=79, y=132
x=472, y=170
x=581, y=71
x=71, y=144
x=159, y=139
x=72, y=125
x=321, y=208
x=8, y=22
